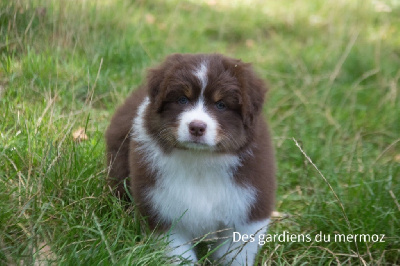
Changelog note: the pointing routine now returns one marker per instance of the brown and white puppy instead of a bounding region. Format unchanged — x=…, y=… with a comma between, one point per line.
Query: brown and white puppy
x=197, y=153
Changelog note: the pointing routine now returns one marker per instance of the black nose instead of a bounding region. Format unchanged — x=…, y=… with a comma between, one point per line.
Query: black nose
x=197, y=128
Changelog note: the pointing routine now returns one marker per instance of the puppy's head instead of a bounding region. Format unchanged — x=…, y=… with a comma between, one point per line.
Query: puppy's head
x=203, y=102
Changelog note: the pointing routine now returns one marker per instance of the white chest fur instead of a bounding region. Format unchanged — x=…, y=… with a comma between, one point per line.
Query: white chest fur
x=195, y=188
x=198, y=188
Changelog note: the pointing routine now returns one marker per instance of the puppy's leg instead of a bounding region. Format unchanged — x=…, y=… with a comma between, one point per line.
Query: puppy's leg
x=239, y=252
x=180, y=245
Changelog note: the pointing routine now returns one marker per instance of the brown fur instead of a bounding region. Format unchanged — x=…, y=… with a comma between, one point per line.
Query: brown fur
x=118, y=141
x=245, y=131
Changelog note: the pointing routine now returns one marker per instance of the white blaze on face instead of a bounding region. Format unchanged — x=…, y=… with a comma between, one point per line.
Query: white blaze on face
x=201, y=74
x=199, y=114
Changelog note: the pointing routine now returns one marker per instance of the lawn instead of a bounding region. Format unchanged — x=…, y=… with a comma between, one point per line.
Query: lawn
x=333, y=68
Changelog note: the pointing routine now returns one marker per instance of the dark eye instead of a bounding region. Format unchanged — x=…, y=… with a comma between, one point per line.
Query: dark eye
x=183, y=100
x=220, y=105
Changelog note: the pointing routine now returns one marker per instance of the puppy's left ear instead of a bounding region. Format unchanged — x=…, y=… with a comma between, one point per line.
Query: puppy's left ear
x=254, y=90
x=157, y=77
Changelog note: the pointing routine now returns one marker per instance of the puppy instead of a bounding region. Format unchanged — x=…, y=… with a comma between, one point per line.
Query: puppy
x=196, y=153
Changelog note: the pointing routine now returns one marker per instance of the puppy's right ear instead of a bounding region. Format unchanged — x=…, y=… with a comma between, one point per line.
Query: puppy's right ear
x=157, y=79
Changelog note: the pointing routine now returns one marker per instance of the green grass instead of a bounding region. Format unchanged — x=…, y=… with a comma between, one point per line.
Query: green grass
x=334, y=74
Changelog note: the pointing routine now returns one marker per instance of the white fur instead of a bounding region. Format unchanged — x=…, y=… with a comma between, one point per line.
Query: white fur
x=199, y=187
x=198, y=113
x=180, y=245
x=139, y=132
x=241, y=253
x=201, y=74
x=194, y=189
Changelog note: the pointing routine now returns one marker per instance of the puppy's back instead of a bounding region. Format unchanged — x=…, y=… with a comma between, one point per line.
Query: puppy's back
x=117, y=142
